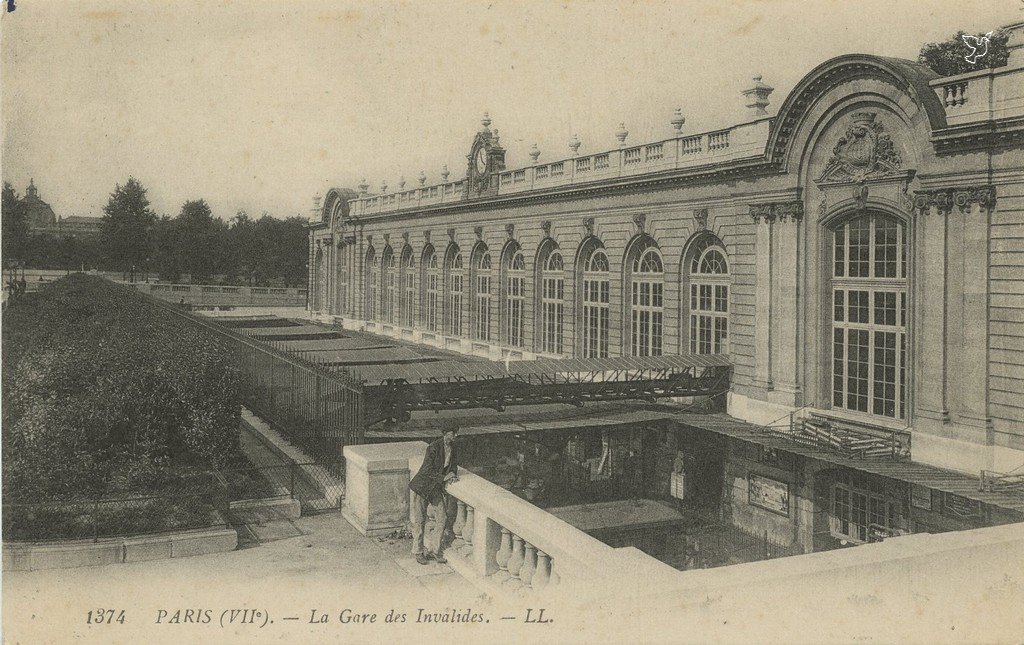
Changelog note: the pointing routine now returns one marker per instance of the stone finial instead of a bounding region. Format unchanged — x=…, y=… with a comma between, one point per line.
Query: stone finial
x=384, y=186
x=622, y=133
x=678, y=120
x=574, y=144
x=534, y=153
x=422, y=178
x=757, y=97
x=401, y=182
x=495, y=139
x=364, y=187
x=486, y=122
x=444, y=173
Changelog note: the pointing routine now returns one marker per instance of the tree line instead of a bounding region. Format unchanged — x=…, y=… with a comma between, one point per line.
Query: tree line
x=137, y=242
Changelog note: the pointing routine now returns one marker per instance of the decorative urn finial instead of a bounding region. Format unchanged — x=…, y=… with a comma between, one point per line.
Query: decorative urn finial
x=422, y=178
x=444, y=173
x=486, y=122
x=364, y=186
x=757, y=97
x=622, y=133
x=534, y=153
x=574, y=144
x=678, y=120
x=401, y=183
x=384, y=186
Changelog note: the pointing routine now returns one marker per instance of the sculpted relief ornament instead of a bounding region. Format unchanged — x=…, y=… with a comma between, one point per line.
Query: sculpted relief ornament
x=864, y=152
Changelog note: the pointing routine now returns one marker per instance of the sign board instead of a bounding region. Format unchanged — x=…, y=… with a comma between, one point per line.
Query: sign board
x=921, y=497
x=769, y=494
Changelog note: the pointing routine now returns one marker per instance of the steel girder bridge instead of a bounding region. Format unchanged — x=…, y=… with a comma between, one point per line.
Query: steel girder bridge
x=394, y=391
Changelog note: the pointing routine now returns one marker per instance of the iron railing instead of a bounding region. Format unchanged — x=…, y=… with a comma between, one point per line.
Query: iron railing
x=317, y=409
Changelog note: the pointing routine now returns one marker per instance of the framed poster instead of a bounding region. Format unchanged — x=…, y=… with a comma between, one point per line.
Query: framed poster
x=921, y=497
x=770, y=494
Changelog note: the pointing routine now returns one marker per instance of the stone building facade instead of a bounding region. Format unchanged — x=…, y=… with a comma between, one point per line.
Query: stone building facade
x=858, y=254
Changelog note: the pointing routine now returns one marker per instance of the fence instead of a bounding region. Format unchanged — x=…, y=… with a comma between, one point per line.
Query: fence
x=318, y=410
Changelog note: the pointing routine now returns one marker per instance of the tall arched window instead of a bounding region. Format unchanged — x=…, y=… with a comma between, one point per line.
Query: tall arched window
x=407, y=315
x=869, y=316
x=319, y=280
x=482, y=296
x=596, y=299
x=389, y=304
x=709, y=297
x=343, y=253
x=372, y=275
x=453, y=308
x=552, y=303
x=647, y=288
x=432, y=284
x=515, y=299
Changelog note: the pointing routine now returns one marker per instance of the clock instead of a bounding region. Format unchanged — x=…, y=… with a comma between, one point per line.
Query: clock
x=480, y=161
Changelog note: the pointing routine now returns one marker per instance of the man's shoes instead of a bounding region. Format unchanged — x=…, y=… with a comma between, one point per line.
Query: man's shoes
x=438, y=558
x=423, y=558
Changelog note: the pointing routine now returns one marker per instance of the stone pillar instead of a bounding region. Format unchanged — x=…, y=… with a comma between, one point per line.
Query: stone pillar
x=973, y=347
x=377, y=485
x=930, y=301
x=786, y=331
x=764, y=219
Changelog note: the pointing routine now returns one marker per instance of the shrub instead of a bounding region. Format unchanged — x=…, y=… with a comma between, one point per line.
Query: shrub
x=104, y=394
x=947, y=58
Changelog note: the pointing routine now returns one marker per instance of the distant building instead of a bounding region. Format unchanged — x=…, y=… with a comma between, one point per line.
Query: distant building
x=42, y=219
x=40, y=214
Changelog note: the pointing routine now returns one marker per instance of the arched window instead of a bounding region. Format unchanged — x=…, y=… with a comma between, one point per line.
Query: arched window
x=596, y=288
x=869, y=316
x=372, y=275
x=389, y=305
x=647, y=288
x=319, y=280
x=482, y=296
x=408, y=284
x=453, y=309
x=515, y=299
x=709, y=297
x=343, y=253
x=552, y=303
x=432, y=296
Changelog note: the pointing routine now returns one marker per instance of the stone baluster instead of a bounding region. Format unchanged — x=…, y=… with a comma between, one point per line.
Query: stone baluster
x=459, y=524
x=529, y=565
x=542, y=575
x=515, y=563
x=503, y=555
x=553, y=577
x=467, y=532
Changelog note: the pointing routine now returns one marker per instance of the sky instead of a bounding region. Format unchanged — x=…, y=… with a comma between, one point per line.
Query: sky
x=261, y=105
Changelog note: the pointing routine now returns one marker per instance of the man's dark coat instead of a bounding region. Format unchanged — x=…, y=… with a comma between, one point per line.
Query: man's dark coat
x=428, y=481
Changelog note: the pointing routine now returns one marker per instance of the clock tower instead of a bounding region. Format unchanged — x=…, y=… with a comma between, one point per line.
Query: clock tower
x=485, y=160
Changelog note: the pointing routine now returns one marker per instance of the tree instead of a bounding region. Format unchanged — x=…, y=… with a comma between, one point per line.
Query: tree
x=15, y=225
x=127, y=226
x=198, y=240
x=948, y=58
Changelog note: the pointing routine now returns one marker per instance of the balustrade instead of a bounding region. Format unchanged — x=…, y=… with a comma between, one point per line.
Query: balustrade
x=954, y=94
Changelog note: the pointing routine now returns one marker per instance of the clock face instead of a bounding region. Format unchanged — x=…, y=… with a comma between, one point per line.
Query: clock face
x=481, y=161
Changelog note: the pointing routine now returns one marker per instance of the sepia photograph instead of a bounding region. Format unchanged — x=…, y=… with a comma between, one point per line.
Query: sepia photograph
x=490, y=321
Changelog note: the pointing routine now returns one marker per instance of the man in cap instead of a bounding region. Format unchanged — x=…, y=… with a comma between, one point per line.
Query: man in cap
x=440, y=467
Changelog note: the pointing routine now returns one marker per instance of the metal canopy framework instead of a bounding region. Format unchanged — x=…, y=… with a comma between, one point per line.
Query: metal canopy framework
x=394, y=391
